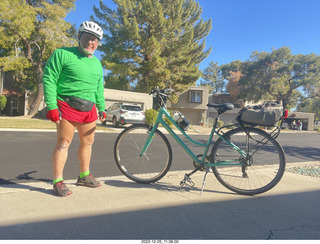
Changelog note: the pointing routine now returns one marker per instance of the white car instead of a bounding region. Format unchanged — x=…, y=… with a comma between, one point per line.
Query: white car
x=121, y=114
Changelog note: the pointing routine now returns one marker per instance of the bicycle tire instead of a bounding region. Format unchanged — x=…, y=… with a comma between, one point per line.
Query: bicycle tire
x=153, y=164
x=267, y=162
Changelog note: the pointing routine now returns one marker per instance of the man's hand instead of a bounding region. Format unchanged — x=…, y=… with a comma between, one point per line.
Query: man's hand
x=102, y=115
x=53, y=115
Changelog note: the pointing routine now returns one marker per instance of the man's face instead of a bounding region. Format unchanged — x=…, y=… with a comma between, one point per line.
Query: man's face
x=89, y=42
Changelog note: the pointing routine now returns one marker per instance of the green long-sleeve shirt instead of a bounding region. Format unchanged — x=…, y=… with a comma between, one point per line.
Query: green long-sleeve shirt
x=70, y=73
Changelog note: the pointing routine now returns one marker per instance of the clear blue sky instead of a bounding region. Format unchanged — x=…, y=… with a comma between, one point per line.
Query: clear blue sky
x=240, y=27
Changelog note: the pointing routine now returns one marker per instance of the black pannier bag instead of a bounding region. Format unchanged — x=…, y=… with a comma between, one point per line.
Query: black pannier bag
x=266, y=114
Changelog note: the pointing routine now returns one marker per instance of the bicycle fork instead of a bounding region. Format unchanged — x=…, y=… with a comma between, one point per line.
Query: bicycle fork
x=151, y=132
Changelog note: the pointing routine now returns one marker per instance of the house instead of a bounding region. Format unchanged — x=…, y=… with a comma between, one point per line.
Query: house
x=113, y=96
x=192, y=104
x=15, y=97
x=228, y=116
x=307, y=120
x=18, y=101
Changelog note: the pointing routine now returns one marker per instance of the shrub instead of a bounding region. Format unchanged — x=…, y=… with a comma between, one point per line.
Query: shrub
x=231, y=126
x=220, y=124
x=3, y=102
x=151, y=117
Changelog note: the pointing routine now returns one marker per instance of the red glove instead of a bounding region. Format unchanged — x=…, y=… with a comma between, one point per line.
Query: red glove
x=102, y=115
x=53, y=115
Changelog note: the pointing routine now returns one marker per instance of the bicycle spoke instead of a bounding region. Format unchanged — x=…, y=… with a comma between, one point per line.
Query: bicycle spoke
x=152, y=165
x=260, y=171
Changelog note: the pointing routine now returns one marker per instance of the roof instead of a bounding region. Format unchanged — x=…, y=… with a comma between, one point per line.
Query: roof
x=12, y=92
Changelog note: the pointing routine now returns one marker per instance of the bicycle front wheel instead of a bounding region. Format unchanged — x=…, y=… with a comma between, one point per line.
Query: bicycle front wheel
x=260, y=171
x=152, y=165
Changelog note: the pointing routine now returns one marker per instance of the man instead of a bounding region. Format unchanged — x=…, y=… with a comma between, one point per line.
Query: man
x=73, y=90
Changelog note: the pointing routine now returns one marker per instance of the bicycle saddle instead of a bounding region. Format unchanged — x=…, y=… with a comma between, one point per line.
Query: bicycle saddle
x=221, y=108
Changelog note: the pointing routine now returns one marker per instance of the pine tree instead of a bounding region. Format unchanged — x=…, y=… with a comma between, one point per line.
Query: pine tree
x=212, y=77
x=152, y=43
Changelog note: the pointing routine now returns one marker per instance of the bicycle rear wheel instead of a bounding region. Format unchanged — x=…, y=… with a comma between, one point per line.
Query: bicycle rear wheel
x=259, y=172
x=149, y=167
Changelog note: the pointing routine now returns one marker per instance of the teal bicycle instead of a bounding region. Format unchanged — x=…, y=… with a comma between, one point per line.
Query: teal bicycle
x=246, y=160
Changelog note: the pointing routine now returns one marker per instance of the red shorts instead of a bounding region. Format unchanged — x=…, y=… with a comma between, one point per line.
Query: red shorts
x=74, y=115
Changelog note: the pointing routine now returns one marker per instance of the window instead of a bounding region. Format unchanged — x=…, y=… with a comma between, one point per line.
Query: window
x=195, y=97
x=14, y=106
x=115, y=106
x=131, y=108
x=223, y=100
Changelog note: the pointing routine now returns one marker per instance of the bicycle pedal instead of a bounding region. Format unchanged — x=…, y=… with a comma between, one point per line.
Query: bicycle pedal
x=187, y=182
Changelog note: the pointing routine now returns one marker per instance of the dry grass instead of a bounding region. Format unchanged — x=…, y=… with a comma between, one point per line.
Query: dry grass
x=30, y=123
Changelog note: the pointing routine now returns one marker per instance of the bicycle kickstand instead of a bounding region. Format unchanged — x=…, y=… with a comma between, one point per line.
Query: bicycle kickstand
x=204, y=179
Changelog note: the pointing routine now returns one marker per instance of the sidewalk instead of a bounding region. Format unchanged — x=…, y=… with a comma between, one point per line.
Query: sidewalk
x=121, y=209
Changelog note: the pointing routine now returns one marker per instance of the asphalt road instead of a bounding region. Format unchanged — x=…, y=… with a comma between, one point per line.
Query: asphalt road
x=26, y=156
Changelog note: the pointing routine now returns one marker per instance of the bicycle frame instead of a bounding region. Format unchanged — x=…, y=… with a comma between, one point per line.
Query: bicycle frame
x=163, y=112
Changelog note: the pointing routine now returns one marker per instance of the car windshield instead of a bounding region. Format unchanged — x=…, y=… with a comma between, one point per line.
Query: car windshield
x=131, y=108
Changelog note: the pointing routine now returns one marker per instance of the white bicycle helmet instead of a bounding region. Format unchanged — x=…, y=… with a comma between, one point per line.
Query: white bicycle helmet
x=91, y=28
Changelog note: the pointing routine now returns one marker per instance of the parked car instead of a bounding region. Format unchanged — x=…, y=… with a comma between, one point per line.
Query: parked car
x=121, y=114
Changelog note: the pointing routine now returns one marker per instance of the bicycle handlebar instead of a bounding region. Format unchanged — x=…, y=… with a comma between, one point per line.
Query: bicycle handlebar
x=163, y=92
x=161, y=95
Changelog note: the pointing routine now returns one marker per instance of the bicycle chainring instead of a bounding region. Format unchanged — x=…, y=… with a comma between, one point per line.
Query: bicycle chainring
x=202, y=168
